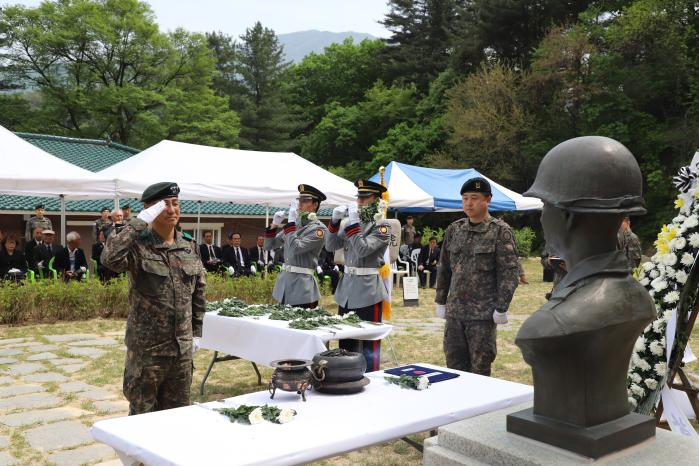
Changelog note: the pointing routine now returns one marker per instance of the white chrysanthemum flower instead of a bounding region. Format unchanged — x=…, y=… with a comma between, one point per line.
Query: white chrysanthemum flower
x=659, y=284
x=312, y=217
x=660, y=369
x=633, y=402
x=687, y=259
x=669, y=259
x=681, y=277
x=423, y=382
x=694, y=240
x=637, y=390
x=670, y=272
x=658, y=326
x=672, y=297
x=643, y=365
x=648, y=266
x=645, y=281
x=691, y=222
x=640, y=345
x=657, y=349
x=286, y=415
x=679, y=219
x=654, y=273
x=378, y=216
x=636, y=378
x=680, y=243
x=634, y=359
x=255, y=416
x=651, y=383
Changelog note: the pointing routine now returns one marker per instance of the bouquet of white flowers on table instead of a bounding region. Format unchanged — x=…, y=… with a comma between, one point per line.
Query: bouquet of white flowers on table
x=410, y=381
x=253, y=414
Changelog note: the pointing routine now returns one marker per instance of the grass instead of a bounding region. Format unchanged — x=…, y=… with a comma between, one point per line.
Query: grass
x=416, y=340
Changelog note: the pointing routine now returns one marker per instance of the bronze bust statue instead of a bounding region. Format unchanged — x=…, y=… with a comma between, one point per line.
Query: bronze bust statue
x=579, y=343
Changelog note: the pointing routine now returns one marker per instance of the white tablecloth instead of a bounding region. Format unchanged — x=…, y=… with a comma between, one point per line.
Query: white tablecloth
x=326, y=425
x=263, y=340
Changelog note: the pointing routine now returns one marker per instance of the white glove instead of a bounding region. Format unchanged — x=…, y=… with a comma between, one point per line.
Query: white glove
x=150, y=214
x=353, y=212
x=196, y=344
x=41, y=264
x=339, y=213
x=293, y=212
x=261, y=263
x=500, y=317
x=253, y=269
x=336, y=268
x=13, y=270
x=231, y=270
x=83, y=269
x=319, y=269
x=278, y=218
x=441, y=311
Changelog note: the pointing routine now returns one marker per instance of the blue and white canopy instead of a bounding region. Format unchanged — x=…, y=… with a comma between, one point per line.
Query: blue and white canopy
x=419, y=189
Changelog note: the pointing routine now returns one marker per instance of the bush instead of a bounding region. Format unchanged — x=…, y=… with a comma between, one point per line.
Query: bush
x=54, y=300
x=428, y=232
x=524, y=238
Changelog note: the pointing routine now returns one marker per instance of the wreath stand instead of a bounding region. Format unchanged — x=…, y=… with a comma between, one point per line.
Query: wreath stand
x=677, y=370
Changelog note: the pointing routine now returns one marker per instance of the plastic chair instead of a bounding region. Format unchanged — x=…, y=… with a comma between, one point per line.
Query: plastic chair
x=94, y=268
x=398, y=273
x=31, y=276
x=53, y=271
x=413, y=258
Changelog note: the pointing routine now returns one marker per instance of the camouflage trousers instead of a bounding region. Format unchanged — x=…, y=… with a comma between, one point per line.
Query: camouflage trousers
x=470, y=345
x=155, y=383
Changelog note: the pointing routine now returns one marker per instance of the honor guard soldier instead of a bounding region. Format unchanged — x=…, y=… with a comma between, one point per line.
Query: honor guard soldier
x=364, y=240
x=303, y=238
x=477, y=276
x=166, y=292
x=38, y=221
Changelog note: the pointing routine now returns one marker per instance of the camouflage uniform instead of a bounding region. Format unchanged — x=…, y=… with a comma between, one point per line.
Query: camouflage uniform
x=629, y=244
x=99, y=225
x=34, y=222
x=477, y=275
x=166, y=294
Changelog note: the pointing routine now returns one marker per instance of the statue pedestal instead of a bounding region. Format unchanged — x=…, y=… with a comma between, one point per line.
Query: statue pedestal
x=484, y=440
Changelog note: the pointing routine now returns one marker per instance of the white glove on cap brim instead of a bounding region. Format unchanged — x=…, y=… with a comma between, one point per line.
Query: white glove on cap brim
x=353, y=212
x=278, y=218
x=339, y=213
x=500, y=318
x=293, y=212
x=441, y=311
x=152, y=212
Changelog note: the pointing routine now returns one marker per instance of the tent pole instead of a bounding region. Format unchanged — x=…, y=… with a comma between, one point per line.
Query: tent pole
x=267, y=216
x=116, y=202
x=63, y=219
x=198, y=221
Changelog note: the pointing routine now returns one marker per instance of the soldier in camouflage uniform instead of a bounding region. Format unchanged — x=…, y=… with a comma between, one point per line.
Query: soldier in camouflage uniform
x=102, y=222
x=364, y=240
x=37, y=221
x=166, y=294
x=302, y=238
x=476, y=279
x=629, y=244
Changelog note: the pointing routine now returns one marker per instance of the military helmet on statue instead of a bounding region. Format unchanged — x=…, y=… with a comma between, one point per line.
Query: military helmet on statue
x=590, y=174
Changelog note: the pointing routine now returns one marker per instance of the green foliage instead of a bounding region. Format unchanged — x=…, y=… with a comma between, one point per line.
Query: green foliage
x=54, y=300
x=103, y=69
x=428, y=232
x=524, y=237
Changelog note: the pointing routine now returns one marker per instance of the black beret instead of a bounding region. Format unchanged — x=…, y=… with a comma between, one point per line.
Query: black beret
x=104, y=208
x=306, y=190
x=477, y=185
x=158, y=191
x=39, y=206
x=128, y=206
x=367, y=188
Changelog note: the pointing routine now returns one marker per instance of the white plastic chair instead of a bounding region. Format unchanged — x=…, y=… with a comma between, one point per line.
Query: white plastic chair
x=413, y=258
x=398, y=273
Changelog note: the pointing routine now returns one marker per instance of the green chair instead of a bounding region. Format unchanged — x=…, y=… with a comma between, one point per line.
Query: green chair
x=31, y=276
x=94, y=269
x=54, y=272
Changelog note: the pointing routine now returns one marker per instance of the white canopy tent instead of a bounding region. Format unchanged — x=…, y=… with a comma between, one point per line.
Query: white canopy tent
x=29, y=171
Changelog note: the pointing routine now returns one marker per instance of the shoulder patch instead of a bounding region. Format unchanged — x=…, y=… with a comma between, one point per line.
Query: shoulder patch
x=507, y=235
x=383, y=229
x=320, y=232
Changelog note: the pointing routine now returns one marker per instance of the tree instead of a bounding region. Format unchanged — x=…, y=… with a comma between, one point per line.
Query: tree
x=105, y=70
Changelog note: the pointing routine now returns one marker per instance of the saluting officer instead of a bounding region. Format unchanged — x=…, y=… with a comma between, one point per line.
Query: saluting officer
x=476, y=280
x=302, y=238
x=364, y=240
x=166, y=291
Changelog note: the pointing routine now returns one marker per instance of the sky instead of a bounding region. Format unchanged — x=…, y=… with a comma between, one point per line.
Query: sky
x=234, y=16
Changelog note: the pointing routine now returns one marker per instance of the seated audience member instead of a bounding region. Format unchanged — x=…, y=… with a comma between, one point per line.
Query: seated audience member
x=13, y=263
x=427, y=262
x=70, y=261
x=211, y=255
x=327, y=268
x=46, y=251
x=31, y=246
x=117, y=223
x=102, y=272
x=236, y=258
x=260, y=257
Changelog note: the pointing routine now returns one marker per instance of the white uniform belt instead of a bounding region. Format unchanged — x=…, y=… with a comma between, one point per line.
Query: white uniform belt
x=361, y=271
x=294, y=269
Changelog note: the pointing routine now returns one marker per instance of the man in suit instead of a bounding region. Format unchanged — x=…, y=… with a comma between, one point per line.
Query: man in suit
x=45, y=251
x=70, y=262
x=427, y=262
x=31, y=246
x=211, y=255
x=236, y=258
x=260, y=256
x=102, y=272
x=116, y=225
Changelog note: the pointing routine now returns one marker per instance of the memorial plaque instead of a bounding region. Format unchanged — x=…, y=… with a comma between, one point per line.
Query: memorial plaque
x=411, y=295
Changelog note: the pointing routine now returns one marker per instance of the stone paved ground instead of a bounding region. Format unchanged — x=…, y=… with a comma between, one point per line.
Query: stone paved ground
x=45, y=409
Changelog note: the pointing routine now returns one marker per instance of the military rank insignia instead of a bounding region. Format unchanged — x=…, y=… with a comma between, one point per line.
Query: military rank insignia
x=320, y=233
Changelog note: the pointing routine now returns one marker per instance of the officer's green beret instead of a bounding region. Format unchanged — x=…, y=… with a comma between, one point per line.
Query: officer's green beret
x=158, y=191
x=477, y=185
x=366, y=188
x=306, y=191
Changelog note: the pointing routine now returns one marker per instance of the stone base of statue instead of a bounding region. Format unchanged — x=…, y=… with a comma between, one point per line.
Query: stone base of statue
x=483, y=440
x=592, y=442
